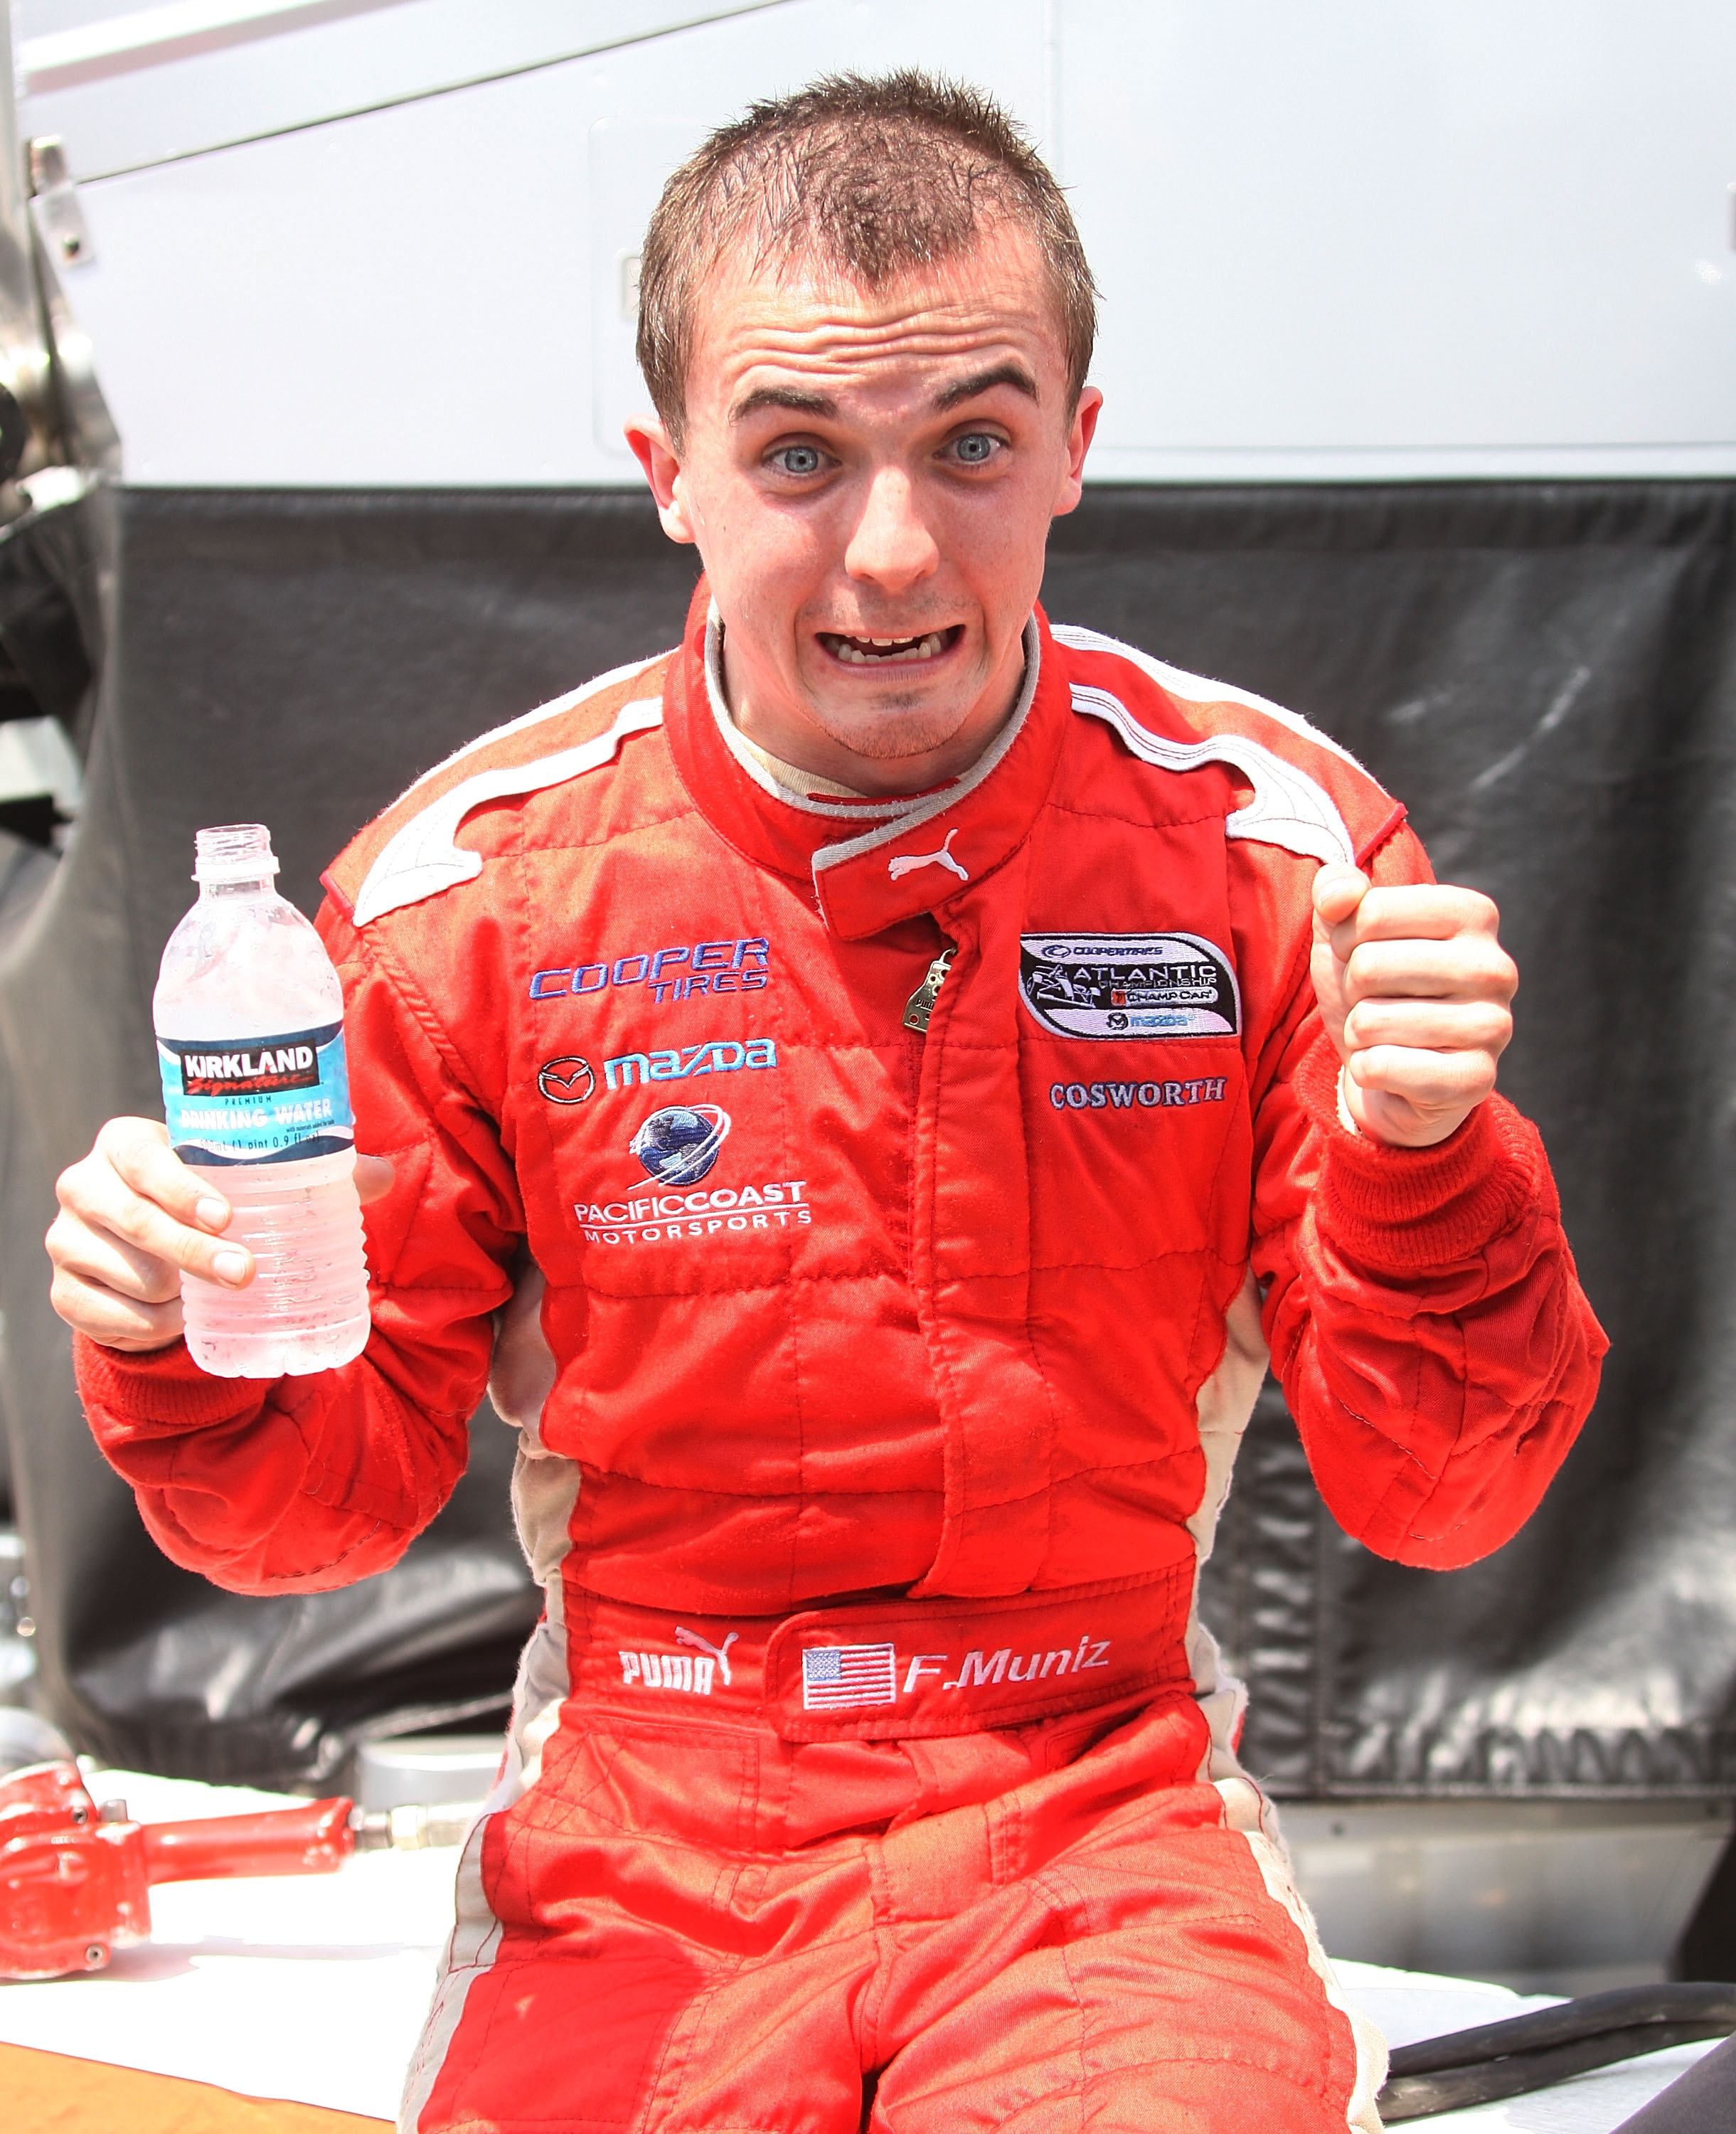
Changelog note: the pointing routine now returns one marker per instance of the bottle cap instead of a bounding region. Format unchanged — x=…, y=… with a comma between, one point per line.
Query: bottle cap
x=236, y=851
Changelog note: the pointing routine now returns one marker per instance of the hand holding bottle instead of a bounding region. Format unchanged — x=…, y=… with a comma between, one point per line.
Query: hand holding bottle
x=266, y=1239
x=133, y=1220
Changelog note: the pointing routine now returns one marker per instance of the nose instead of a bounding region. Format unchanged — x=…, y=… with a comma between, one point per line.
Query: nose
x=890, y=546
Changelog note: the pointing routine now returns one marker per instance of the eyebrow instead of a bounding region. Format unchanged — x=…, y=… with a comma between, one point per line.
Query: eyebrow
x=983, y=381
x=794, y=398
x=800, y=400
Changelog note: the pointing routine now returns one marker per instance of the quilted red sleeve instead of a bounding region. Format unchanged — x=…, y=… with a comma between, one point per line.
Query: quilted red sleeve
x=307, y=1483
x=1421, y=1305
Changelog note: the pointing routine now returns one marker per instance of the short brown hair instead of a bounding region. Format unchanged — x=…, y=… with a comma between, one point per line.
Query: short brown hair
x=874, y=176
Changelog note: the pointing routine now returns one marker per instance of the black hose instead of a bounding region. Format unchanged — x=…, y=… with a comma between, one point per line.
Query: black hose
x=1529, y=2052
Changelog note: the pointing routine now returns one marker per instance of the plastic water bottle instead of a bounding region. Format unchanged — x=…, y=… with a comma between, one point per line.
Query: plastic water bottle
x=249, y=1019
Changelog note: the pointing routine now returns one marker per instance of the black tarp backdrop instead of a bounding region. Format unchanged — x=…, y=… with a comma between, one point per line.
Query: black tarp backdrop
x=1546, y=673
x=51, y=632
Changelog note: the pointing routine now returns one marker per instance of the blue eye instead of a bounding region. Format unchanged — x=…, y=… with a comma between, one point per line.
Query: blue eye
x=977, y=448
x=796, y=459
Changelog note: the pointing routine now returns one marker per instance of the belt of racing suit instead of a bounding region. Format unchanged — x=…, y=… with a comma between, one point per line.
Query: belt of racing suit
x=883, y=1670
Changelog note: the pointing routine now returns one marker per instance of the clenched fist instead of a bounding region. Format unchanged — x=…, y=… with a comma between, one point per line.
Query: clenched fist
x=1416, y=993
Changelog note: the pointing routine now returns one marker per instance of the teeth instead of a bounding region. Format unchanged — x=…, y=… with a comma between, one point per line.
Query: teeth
x=850, y=648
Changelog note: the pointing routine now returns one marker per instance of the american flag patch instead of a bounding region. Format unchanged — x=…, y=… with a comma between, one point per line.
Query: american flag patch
x=840, y=1677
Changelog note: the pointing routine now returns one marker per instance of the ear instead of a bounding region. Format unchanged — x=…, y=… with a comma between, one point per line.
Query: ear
x=1084, y=429
x=649, y=443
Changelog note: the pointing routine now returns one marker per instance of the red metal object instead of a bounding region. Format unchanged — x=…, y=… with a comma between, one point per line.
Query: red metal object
x=314, y=1840
x=74, y=1887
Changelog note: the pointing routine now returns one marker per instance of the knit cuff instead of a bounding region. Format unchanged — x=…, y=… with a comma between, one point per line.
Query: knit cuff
x=1407, y=1209
x=160, y=1393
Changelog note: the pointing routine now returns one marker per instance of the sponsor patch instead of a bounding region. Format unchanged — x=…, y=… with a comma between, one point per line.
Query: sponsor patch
x=699, y=971
x=658, y=1218
x=678, y=1144
x=908, y=862
x=1129, y=985
x=1135, y=1096
x=691, y=1672
x=566, y=1081
x=678, y=1147
x=678, y=1063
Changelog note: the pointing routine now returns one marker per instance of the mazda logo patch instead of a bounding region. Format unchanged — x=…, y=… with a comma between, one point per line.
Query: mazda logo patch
x=568, y=1081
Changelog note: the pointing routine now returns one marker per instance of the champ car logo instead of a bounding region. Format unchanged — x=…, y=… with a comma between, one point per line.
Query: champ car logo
x=1129, y=985
x=678, y=1144
x=566, y=1081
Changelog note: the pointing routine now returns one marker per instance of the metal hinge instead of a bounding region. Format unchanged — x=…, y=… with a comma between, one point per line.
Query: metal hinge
x=920, y=1006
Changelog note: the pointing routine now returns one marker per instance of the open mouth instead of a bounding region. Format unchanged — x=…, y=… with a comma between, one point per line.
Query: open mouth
x=890, y=651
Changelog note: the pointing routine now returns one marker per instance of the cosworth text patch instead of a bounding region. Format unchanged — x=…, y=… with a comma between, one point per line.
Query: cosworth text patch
x=1129, y=985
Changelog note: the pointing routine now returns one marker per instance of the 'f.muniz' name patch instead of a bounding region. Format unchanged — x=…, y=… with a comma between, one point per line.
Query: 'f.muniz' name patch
x=1129, y=985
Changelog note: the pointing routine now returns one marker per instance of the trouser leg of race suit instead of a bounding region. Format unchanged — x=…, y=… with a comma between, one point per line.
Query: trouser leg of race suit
x=1701, y=2102
x=1156, y=1971
x=701, y=1927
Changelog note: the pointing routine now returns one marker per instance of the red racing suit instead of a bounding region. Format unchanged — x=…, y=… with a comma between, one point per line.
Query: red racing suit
x=900, y=1375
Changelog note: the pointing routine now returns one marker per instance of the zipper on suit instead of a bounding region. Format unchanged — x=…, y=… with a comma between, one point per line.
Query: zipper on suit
x=920, y=1006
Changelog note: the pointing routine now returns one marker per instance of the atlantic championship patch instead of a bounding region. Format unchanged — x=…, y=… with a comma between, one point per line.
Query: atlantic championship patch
x=1129, y=985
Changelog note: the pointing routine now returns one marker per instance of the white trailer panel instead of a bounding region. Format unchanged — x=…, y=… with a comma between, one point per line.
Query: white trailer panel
x=1366, y=239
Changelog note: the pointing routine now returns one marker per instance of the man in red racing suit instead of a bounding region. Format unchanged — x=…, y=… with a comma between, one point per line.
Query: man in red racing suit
x=921, y=1181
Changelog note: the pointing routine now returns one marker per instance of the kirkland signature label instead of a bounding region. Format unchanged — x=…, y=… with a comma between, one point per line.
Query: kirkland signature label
x=256, y=1099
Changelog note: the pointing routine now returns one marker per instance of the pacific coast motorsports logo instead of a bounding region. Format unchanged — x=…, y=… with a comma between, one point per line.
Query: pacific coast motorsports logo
x=678, y=1144
x=678, y=1147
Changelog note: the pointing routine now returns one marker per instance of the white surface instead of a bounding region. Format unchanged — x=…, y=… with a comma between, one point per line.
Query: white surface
x=37, y=757
x=1362, y=239
x=407, y=297
x=129, y=87
x=1421, y=234
x=313, y=1988
x=243, y=1980
x=1409, y=2005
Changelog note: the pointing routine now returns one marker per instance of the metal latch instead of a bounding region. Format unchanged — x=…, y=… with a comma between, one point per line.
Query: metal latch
x=920, y=1006
x=59, y=215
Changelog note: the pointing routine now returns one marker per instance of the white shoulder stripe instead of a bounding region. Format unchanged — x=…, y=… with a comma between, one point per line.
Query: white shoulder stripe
x=1289, y=808
x=552, y=709
x=420, y=859
x=1195, y=689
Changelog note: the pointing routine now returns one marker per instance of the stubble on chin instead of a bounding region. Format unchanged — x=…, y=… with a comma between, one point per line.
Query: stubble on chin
x=894, y=729
x=898, y=723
